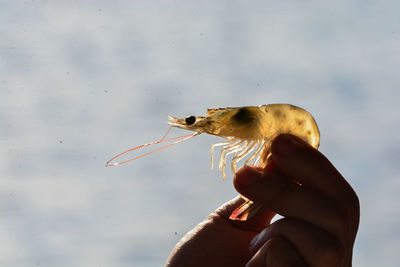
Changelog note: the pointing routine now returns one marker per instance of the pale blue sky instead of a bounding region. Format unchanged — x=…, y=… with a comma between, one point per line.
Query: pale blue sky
x=83, y=80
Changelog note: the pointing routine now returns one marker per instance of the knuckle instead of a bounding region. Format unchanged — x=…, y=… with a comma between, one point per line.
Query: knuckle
x=353, y=203
x=339, y=219
x=330, y=255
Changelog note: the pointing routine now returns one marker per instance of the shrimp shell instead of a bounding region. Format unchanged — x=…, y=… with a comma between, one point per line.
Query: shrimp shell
x=250, y=130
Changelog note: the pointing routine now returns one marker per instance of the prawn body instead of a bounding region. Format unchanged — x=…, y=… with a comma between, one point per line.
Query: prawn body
x=250, y=130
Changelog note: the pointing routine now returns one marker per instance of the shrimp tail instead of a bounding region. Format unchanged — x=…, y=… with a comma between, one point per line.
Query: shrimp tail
x=245, y=211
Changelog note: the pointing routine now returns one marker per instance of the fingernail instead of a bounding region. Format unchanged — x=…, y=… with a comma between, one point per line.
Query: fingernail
x=285, y=145
x=247, y=176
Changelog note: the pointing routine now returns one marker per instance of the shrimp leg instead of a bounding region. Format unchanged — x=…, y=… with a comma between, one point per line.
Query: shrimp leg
x=257, y=153
x=218, y=144
x=233, y=144
x=233, y=150
x=250, y=147
x=224, y=153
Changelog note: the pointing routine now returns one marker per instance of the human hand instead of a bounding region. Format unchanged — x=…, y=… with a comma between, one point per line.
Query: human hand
x=320, y=217
x=319, y=224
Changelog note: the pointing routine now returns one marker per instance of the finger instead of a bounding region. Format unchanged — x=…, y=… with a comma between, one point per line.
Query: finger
x=317, y=247
x=310, y=167
x=277, y=252
x=257, y=223
x=313, y=170
x=291, y=200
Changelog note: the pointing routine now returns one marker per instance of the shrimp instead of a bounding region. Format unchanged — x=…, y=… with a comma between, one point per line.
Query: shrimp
x=249, y=132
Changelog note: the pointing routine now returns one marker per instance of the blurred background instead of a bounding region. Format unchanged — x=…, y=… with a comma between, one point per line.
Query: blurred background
x=81, y=81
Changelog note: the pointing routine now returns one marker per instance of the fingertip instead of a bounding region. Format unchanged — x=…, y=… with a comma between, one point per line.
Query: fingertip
x=227, y=208
x=246, y=176
x=286, y=145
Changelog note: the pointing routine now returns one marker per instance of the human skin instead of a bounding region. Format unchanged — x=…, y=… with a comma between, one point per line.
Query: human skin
x=319, y=209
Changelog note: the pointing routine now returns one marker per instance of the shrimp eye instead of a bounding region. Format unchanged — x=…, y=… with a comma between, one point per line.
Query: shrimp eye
x=190, y=120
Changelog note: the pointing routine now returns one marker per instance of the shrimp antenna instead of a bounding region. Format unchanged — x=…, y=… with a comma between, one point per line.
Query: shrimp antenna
x=184, y=138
